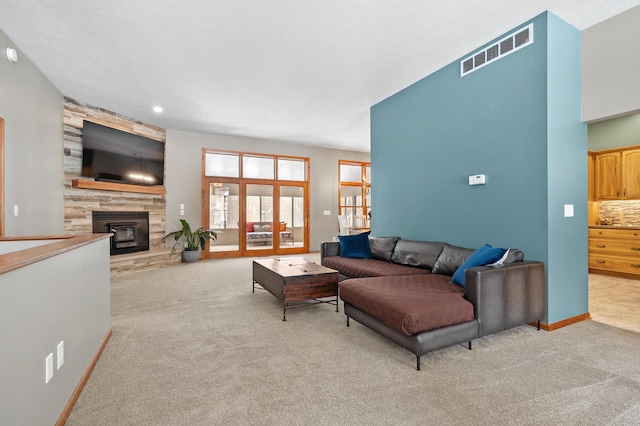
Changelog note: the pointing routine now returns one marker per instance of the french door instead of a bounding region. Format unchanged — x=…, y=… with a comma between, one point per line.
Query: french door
x=257, y=216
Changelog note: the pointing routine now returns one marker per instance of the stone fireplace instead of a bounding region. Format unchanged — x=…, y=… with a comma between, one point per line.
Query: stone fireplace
x=81, y=201
x=129, y=230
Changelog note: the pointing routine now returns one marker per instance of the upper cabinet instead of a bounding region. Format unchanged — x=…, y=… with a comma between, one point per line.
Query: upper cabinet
x=617, y=174
x=608, y=171
x=631, y=174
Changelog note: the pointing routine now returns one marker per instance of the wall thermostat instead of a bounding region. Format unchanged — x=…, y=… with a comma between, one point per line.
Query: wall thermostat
x=476, y=180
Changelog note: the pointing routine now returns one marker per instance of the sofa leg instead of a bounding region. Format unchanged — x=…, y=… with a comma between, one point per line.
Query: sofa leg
x=347, y=321
x=538, y=325
x=418, y=362
x=469, y=344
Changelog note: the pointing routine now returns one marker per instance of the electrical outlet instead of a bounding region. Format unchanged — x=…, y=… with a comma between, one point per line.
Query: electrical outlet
x=15, y=210
x=48, y=368
x=60, y=358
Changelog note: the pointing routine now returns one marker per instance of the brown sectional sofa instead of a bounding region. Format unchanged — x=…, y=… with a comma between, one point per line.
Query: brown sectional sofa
x=404, y=292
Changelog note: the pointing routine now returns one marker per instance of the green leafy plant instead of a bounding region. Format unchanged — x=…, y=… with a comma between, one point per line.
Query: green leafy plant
x=191, y=240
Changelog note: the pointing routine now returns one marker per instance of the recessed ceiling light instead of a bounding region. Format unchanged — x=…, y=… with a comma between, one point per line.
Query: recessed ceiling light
x=157, y=109
x=12, y=54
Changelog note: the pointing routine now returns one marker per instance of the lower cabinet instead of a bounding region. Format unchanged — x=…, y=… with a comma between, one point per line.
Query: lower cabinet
x=614, y=250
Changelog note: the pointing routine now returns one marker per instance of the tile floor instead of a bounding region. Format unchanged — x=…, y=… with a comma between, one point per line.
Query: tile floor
x=615, y=301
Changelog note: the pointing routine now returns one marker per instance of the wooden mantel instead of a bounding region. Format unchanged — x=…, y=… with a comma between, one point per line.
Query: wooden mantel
x=111, y=186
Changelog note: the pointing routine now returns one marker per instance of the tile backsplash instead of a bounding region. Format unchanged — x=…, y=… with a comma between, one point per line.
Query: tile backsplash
x=623, y=212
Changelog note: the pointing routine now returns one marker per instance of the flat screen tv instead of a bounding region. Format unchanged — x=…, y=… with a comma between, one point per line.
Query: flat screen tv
x=112, y=155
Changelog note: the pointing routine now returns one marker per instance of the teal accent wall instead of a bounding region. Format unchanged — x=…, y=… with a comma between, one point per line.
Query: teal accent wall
x=502, y=121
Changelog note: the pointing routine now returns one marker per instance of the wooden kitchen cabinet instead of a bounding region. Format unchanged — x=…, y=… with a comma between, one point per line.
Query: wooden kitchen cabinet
x=631, y=174
x=617, y=175
x=608, y=172
x=614, y=250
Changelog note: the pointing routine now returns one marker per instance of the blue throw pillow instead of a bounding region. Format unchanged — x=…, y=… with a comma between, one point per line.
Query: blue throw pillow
x=355, y=246
x=483, y=256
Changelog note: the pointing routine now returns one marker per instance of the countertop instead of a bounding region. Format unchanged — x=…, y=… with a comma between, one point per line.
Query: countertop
x=613, y=227
x=21, y=258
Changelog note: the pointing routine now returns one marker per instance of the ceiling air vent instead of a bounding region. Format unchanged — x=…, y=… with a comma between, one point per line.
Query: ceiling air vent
x=514, y=41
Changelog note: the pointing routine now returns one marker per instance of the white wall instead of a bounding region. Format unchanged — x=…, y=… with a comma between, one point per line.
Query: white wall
x=610, y=63
x=33, y=148
x=184, y=176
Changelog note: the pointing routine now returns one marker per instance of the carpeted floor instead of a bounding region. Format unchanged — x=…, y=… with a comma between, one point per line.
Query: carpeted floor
x=192, y=345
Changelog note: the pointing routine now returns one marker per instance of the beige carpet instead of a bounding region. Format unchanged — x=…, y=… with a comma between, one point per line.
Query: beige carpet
x=192, y=345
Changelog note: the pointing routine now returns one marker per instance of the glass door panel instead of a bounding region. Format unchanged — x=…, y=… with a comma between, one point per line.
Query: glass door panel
x=351, y=206
x=224, y=216
x=260, y=234
x=292, y=217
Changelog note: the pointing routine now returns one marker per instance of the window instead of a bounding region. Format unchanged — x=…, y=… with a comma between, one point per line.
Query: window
x=258, y=167
x=354, y=193
x=292, y=210
x=222, y=164
x=259, y=208
x=224, y=205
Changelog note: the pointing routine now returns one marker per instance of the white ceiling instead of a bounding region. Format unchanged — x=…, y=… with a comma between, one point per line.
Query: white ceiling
x=305, y=71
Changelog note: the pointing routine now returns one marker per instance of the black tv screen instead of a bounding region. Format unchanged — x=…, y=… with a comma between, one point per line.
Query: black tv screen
x=112, y=155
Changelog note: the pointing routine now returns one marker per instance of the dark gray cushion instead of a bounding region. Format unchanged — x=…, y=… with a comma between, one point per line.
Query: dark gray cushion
x=382, y=247
x=422, y=254
x=450, y=259
x=262, y=227
x=514, y=255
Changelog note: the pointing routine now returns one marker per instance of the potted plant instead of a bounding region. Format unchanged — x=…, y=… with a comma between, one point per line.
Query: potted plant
x=193, y=242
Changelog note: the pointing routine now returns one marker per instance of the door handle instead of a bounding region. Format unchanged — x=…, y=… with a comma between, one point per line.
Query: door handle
x=600, y=261
x=635, y=248
x=603, y=246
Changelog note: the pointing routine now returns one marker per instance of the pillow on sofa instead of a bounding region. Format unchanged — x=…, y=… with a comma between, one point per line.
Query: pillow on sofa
x=514, y=255
x=355, y=246
x=483, y=256
x=450, y=259
x=382, y=247
x=422, y=254
x=250, y=227
x=262, y=227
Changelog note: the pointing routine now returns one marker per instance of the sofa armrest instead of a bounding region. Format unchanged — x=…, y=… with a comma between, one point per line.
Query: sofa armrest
x=506, y=296
x=329, y=248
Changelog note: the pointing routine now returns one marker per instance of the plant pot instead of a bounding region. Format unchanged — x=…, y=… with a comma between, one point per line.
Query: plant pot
x=190, y=256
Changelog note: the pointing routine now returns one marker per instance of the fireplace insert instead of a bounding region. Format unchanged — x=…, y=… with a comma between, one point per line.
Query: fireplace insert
x=129, y=230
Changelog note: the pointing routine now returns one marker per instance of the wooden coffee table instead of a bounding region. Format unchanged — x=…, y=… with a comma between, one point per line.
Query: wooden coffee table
x=296, y=282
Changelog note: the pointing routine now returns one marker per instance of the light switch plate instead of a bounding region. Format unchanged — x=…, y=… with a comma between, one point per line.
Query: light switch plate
x=48, y=368
x=60, y=351
x=568, y=210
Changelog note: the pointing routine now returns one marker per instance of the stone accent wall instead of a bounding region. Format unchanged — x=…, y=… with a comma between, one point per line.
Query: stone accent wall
x=623, y=212
x=80, y=202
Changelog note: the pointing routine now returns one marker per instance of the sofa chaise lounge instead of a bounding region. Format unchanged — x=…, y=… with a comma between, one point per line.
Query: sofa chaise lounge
x=404, y=292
